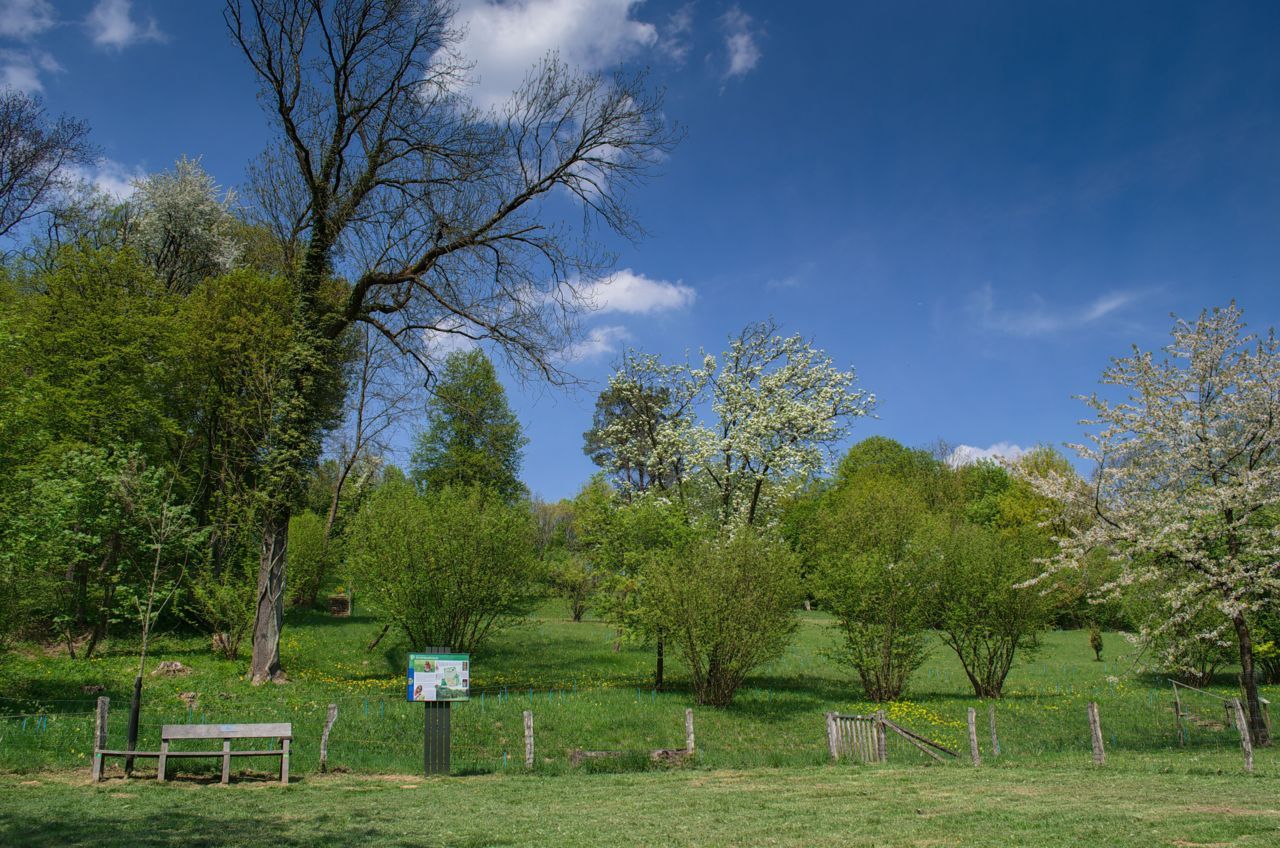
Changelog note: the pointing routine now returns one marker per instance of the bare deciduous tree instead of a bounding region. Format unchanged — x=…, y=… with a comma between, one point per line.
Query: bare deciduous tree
x=35, y=155
x=443, y=218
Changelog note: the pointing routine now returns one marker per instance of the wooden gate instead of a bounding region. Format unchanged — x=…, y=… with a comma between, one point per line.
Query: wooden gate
x=859, y=738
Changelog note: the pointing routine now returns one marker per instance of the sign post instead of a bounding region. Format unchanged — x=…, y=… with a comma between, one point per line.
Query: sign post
x=437, y=678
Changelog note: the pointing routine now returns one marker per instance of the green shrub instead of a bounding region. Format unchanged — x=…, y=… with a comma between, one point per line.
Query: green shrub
x=727, y=604
x=876, y=583
x=224, y=604
x=448, y=567
x=307, y=557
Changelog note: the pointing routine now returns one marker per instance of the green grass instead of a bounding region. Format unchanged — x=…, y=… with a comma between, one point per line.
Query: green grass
x=817, y=806
x=584, y=694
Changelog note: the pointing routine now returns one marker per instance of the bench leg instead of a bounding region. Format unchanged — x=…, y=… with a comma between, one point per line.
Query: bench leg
x=226, y=761
x=164, y=756
x=284, y=762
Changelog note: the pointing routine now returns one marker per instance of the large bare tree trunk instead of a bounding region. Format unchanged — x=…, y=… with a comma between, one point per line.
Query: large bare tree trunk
x=269, y=616
x=1248, y=676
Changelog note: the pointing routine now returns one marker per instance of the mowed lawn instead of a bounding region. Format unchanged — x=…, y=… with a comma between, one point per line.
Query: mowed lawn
x=872, y=806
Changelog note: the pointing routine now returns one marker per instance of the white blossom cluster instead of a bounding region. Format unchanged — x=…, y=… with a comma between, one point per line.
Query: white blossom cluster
x=1186, y=493
x=185, y=228
x=777, y=405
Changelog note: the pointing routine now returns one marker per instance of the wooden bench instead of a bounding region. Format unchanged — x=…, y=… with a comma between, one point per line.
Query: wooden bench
x=226, y=732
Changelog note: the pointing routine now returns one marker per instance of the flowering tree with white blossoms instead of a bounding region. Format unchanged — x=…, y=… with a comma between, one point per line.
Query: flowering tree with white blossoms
x=1188, y=480
x=777, y=404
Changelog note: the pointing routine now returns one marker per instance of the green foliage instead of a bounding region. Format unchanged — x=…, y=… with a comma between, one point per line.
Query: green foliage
x=472, y=436
x=985, y=613
x=727, y=603
x=622, y=538
x=1188, y=643
x=623, y=439
x=874, y=579
x=1095, y=641
x=223, y=602
x=575, y=579
x=308, y=557
x=449, y=567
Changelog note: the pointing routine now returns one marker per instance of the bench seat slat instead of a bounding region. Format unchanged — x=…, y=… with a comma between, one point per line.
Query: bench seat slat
x=282, y=730
x=273, y=753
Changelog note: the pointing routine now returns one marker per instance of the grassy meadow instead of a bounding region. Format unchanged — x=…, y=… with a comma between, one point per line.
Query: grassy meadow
x=584, y=694
x=761, y=776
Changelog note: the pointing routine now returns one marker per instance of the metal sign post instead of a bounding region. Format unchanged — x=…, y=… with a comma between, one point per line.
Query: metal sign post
x=437, y=738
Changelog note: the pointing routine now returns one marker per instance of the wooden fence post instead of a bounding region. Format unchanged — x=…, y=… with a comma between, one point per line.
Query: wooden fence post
x=973, y=737
x=991, y=722
x=831, y=737
x=324, y=737
x=1095, y=731
x=99, y=737
x=882, y=748
x=528, y=739
x=688, y=731
x=1246, y=742
x=1177, y=712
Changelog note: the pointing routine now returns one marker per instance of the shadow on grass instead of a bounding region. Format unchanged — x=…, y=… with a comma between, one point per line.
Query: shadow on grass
x=196, y=830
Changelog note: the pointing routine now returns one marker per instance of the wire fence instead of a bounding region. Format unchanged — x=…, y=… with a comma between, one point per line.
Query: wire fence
x=384, y=734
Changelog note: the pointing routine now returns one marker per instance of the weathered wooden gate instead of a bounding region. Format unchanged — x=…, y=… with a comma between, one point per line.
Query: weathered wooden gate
x=857, y=737
x=863, y=738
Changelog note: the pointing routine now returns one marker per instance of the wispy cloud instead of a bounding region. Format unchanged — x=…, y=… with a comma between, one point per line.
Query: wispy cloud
x=505, y=39
x=24, y=19
x=600, y=341
x=968, y=454
x=740, y=42
x=635, y=294
x=1042, y=318
x=111, y=24
x=22, y=69
x=675, y=38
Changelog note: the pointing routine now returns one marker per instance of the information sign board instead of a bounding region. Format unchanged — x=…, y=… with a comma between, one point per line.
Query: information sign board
x=439, y=677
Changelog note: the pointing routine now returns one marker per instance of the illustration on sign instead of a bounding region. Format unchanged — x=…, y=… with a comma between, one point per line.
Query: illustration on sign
x=439, y=677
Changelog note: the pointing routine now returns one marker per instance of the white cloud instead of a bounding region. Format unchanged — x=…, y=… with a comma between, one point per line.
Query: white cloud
x=1041, y=318
x=111, y=177
x=21, y=69
x=739, y=42
x=635, y=294
x=968, y=454
x=25, y=18
x=111, y=23
x=600, y=341
x=505, y=40
x=442, y=342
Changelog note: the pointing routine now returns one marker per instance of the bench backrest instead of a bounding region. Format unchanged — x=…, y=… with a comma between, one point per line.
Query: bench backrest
x=225, y=731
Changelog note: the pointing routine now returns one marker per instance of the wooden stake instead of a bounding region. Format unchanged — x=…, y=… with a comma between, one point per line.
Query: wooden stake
x=99, y=737
x=688, y=731
x=1177, y=712
x=991, y=722
x=1095, y=731
x=831, y=737
x=528, y=739
x=1246, y=742
x=324, y=737
x=973, y=737
x=882, y=749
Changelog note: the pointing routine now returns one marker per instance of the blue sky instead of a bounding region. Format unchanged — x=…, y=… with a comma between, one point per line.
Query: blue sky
x=973, y=204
